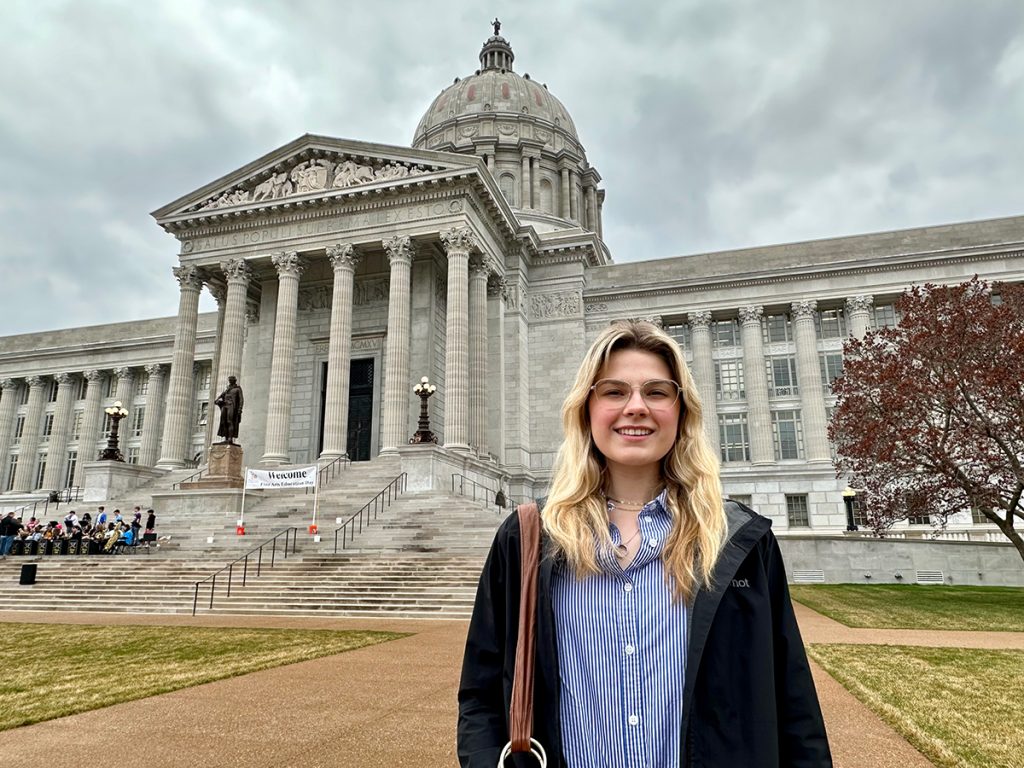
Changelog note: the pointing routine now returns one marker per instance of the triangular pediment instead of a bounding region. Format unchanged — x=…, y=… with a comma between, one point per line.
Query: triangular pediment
x=312, y=167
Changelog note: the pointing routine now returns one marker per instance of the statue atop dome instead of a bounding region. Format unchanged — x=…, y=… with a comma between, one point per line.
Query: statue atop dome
x=497, y=26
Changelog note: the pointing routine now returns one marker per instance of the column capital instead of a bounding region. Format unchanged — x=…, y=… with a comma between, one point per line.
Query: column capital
x=93, y=375
x=399, y=249
x=252, y=315
x=237, y=270
x=124, y=374
x=859, y=303
x=35, y=382
x=189, y=277
x=751, y=314
x=657, y=320
x=802, y=309
x=699, y=320
x=288, y=264
x=480, y=265
x=6, y=384
x=63, y=379
x=459, y=240
x=219, y=292
x=496, y=286
x=343, y=256
x=155, y=369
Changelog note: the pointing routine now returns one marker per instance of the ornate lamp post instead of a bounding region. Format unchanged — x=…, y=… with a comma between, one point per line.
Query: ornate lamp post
x=848, y=496
x=116, y=412
x=423, y=435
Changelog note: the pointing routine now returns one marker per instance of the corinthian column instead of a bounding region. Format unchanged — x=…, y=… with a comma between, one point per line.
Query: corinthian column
x=574, y=201
x=759, y=419
x=479, y=269
x=457, y=243
x=125, y=392
x=179, y=391
x=8, y=405
x=704, y=372
x=219, y=294
x=90, y=423
x=282, y=366
x=154, y=410
x=396, y=361
x=858, y=314
x=56, y=457
x=566, y=191
x=339, y=351
x=23, y=477
x=808, y=374
x=525, y=186
x=238, y=273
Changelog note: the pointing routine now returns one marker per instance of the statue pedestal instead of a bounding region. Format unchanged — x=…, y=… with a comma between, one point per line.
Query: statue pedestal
x=224, y=469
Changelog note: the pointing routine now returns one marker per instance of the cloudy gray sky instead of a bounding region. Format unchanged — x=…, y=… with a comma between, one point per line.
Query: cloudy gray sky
x=715, y=124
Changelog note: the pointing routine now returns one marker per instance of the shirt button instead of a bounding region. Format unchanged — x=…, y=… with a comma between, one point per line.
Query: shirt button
x=629, y=650
x=627, y=587
x=653, y=542
x=634, y=720
x=646, y=519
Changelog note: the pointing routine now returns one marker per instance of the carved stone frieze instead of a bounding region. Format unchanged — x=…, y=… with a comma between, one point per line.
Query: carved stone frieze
x=554, y=305
x=600, y=307
x=318, y=297
x=314, y=298
x=301, y=177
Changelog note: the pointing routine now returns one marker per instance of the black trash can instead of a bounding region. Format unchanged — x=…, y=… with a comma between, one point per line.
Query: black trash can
x=28, y=573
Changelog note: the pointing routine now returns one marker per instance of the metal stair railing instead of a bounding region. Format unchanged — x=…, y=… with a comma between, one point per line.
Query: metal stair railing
x=64, y=496
x=191, y=478
x=328, y=472
x=386, y=495
x=480, y=492
x=292, y=532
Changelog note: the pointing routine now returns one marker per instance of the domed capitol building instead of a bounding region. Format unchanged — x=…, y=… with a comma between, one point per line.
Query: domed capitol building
x=346, y=271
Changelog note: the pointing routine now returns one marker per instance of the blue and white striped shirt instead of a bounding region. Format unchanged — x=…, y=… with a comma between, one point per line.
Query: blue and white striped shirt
x=622, y=656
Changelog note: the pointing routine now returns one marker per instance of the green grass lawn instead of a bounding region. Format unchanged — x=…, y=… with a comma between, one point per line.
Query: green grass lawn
x=959, y=707
x=55, y=670
x=910, y=606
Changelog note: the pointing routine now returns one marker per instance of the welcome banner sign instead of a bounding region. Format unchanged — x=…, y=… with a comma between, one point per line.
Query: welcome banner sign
x=292, y=477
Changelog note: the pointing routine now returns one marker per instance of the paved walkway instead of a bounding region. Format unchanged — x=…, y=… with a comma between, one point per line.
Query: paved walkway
x=384, y=706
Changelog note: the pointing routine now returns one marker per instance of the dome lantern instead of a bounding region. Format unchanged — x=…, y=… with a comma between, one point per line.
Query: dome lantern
x=496, y=53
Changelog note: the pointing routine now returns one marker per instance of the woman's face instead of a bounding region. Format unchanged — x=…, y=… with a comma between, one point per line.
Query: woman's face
x=635, y=433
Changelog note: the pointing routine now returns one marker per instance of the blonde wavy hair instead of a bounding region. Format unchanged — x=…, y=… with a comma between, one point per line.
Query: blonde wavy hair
x=576, y=515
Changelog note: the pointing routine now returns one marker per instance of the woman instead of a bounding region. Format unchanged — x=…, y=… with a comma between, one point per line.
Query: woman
x=665, y=633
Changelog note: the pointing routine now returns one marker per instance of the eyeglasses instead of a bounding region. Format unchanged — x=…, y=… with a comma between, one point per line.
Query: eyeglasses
x=658, y=394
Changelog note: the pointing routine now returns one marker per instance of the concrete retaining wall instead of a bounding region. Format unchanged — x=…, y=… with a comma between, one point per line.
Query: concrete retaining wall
x=887, y=561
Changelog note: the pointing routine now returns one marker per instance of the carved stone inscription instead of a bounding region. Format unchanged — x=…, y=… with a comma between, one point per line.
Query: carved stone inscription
x=380, y=218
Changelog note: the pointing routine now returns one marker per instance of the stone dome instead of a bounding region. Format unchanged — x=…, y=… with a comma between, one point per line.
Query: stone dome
x=494, y=90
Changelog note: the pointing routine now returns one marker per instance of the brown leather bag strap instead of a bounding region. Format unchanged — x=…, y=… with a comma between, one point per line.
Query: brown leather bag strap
x=521, y=714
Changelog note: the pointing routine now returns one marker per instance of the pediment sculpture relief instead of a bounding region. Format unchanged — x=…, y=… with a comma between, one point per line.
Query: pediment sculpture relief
x=316, y=175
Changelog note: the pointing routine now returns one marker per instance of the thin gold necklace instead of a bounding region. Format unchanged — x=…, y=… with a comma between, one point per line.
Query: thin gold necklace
x=622, y=549
x=626, y=502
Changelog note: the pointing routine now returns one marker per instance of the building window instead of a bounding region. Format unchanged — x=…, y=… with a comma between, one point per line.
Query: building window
x=733, y=437
x=108, y=425
x=782, y=376
x=143, y=386
x=507, y=185
x=740, y=498
x=111, y=386
x=76, y=424
x=203, y=379
x=47, y=426
x=831, y=369
x=725, y=333
x=138, y=419
x=680, y=333
x=860, y=515
x=978, y=517
x=133, y=455
x=885, y=316
x=831, y=324
x=23, y=394
x=69, y=473
x=796, y=511
x=40, y=470
x=729, y=379
x=919, y=519
x=201, y=410
x=83, y=386
x=12, y=469
x=19, y=430
x=788, y=434
x=777, y=329
x=51, y=396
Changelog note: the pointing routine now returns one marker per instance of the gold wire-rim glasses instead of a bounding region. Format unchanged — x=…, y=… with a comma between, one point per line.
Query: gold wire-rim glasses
x=657, y=394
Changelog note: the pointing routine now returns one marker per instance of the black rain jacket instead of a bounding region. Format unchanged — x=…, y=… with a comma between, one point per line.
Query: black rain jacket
x=748, y=702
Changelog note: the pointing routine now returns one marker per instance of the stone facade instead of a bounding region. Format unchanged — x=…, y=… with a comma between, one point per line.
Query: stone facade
x=345, y=271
